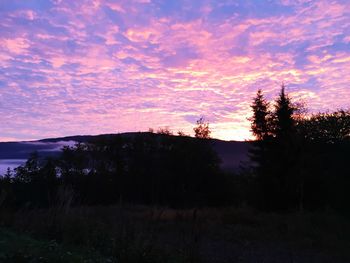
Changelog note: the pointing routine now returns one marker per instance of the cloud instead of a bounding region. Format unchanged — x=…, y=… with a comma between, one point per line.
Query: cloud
x=17, y=45
x=98, y=66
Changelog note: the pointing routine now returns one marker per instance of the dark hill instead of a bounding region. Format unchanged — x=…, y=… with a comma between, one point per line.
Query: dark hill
x=232, y=153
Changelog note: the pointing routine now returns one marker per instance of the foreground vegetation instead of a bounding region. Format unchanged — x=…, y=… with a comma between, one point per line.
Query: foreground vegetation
x=16, y=248
x=150, y=234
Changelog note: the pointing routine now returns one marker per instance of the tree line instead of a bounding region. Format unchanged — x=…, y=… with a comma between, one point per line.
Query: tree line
x=298, y=161
x=145, y=168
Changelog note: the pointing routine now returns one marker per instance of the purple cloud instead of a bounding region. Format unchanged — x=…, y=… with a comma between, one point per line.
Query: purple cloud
x=95, y=66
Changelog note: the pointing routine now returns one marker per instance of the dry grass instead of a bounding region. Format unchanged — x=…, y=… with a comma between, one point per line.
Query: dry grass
x=152, y=234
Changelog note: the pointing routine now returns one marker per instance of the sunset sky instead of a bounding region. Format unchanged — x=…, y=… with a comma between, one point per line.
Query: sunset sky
x=71, y=67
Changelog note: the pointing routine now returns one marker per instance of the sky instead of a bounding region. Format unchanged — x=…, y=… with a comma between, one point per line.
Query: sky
x=102, y=66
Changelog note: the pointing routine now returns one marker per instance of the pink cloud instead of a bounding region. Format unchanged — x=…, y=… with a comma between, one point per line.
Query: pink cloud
x=106, y=66
x=15, y=45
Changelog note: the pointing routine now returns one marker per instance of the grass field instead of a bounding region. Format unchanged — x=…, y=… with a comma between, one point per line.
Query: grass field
x=18, y=248
x=150, y=234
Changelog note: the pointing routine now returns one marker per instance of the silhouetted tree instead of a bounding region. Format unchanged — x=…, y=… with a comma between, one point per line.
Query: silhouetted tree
x=326, y=127
x=6, y=189
x=287, y=178
x=276, y=153
x=35, y=182
x=8, y=175
x=165, y=131
x=326, y=150
x=284, y=122
x=260, y=125
x=181, y=133
x=29, y=171
x=202, y=130
x=261, y=128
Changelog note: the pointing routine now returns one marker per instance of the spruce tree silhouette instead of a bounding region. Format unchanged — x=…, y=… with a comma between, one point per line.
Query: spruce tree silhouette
x=275, y=154
x=284, y=123
x=285, y=153
x=261, y=129
x=260, y=120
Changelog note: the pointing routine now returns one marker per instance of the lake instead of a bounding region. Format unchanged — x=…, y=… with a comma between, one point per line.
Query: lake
x=12, y=163
x=14, y=154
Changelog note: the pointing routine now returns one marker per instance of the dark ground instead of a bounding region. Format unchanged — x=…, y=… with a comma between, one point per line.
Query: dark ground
x=145, y=234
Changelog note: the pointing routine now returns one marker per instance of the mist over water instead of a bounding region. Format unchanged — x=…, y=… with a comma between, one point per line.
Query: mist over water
x=10, y=163
x=13, y=155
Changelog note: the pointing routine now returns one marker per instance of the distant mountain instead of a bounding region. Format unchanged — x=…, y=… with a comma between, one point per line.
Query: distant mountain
x=232, y=153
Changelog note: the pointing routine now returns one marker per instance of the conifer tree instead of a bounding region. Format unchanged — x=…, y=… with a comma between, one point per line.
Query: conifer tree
x=260, y=119
x=275, y=153
x=260, y=152
x=284, y=123
x=285, y=154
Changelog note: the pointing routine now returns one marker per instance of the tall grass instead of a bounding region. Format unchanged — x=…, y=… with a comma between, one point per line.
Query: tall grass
x=152, y=234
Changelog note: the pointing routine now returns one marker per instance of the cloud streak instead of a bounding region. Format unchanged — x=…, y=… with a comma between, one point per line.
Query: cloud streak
x=96, y=66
